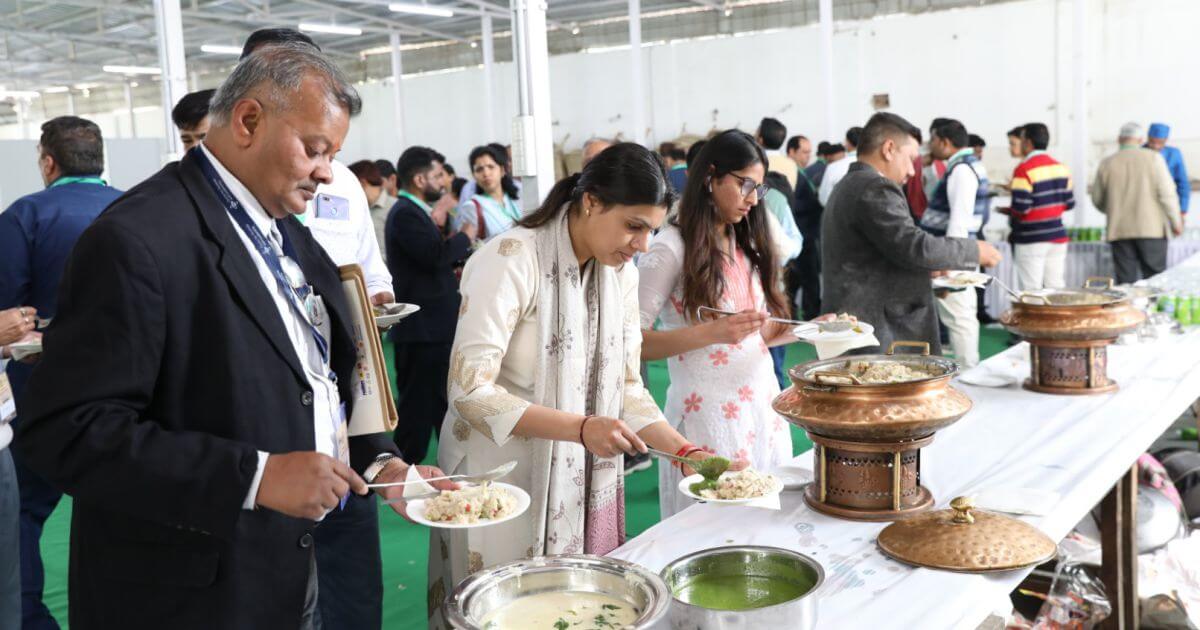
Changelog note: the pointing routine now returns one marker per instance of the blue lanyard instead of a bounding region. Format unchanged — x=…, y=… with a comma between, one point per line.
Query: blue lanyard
x=266, y=251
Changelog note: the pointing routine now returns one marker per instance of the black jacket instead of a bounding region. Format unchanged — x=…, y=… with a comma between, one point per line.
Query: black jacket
x=422, y=267
x=166, y=369
x=876, y=262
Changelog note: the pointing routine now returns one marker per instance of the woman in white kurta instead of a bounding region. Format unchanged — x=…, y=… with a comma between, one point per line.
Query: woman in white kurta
x=717, y=253
x=546, y=360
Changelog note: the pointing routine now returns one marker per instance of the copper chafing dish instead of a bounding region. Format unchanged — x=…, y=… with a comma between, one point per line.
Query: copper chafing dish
x=867, y=436
x=1068, y=331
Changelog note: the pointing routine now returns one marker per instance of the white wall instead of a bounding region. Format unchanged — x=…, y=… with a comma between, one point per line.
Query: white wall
x=127, y=162
x=993, y=67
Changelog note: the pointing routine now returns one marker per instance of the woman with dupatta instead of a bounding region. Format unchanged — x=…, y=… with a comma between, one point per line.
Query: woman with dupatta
x=545, y=369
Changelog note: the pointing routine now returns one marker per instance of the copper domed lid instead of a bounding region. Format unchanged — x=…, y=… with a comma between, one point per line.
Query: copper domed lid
x=961, y=539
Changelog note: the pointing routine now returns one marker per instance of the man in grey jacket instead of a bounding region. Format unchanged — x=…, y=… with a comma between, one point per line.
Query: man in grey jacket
x=877, y=262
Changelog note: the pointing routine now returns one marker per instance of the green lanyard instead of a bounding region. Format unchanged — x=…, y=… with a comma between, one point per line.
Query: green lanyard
x=420, y=204
x=78, y=179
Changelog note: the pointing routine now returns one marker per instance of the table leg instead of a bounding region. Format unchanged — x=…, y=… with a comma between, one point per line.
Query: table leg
x=1118, y=544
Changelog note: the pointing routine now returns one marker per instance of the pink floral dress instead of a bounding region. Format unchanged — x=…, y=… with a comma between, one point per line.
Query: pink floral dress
x=720, y=396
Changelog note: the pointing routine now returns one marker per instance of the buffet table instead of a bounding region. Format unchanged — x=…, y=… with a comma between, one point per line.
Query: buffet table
x=1077, y=447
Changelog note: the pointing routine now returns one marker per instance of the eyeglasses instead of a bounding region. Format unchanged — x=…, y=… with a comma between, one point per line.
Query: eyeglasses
x=749, y=185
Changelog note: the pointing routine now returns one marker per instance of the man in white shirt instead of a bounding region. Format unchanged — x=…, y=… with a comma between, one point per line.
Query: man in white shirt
x=957, y=208
x=835, y=171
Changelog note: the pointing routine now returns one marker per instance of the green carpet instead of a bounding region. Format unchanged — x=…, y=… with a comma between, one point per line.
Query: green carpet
x=404, y=545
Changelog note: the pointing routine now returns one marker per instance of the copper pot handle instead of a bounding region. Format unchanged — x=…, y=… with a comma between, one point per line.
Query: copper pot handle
x=962, y=507
x=816, y=376
x=1107, y=282
x=924, y=346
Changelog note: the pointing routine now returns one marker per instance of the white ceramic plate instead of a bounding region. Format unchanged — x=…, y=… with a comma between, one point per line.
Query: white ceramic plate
x=962, y=280
x=396, y=312
x=687, y=492
x=819, y=335
x=416, y=511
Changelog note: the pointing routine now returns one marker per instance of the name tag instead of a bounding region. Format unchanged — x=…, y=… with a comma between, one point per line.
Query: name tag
x=8, y=405
x=332, y=207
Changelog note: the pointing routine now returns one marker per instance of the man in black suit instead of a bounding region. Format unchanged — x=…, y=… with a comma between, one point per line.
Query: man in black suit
x=422, y=267
x=193, y=393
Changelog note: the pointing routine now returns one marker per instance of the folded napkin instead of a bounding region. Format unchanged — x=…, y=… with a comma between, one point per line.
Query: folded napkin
x=22, y=350
x=1001, y=371
x=827, y=349
x=415, y=484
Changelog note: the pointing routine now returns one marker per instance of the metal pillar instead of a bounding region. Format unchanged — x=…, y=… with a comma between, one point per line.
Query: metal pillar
x=489, y=63
x=825, y=56
x=1079, y=135
x=533, y=144
x=397, y=89
x=129, y=108
x=168, y=23
x=70, y=103
x=637, y=93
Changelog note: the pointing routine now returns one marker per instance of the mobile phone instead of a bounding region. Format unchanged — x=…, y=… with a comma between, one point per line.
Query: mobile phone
x=332, y=207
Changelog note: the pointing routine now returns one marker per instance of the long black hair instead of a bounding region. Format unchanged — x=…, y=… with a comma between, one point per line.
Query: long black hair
x=702, y=229
x=625, y=174
x=501, y=159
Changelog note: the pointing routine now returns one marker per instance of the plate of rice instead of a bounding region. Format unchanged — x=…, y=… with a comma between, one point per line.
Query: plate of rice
x=733, y=487
x=470, y=506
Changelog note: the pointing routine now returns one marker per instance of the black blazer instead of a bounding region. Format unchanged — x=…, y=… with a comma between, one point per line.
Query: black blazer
x=166, y=369
x=422, y=267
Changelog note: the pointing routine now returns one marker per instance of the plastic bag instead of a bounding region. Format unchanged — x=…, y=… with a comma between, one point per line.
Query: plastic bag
x=1076, y=601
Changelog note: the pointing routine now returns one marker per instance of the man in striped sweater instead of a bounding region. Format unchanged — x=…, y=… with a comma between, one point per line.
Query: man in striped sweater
x=1041, y=192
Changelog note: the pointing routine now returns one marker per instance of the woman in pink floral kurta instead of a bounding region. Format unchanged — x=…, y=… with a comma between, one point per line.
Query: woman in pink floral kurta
x=720, y=395
x=722, y=376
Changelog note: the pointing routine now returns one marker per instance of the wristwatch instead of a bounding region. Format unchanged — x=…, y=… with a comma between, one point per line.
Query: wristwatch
x=377, y=466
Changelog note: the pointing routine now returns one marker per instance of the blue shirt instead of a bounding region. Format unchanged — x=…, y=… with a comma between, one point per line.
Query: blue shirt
x=678, y=177
x=37, y=233
x=1178, y=173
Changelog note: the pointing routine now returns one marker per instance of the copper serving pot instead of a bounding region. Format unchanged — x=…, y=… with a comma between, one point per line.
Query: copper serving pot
x=1097, y=311
x=867, y=437
x=826, y=401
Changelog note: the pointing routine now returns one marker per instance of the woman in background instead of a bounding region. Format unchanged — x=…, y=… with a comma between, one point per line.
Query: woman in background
x=493, y=206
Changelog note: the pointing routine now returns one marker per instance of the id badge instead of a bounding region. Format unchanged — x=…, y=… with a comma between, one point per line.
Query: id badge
x=8, y=404
x=332, y=207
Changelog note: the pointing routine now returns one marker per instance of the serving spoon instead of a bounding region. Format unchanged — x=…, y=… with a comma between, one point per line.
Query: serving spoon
x=490, y=475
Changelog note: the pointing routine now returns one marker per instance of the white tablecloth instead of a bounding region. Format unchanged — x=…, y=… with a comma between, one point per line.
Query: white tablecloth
x=1075, y=446
x=1084, y=260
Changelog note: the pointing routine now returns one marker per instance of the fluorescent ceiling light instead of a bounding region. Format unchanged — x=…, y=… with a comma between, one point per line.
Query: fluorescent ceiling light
x=332, y=29
x=221, y=49
x=132, y=70
x=56, y=89
x=21, y=94
x=420, y=9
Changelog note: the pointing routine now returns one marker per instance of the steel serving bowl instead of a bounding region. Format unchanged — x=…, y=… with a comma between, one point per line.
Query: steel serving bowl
x=490, y=589
x=824, y=404
x=799, y=613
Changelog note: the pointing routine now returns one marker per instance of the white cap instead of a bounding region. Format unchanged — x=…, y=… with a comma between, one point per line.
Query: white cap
x=1132, y=130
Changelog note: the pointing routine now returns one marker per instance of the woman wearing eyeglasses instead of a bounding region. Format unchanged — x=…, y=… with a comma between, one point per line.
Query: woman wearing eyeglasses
x=717, y=253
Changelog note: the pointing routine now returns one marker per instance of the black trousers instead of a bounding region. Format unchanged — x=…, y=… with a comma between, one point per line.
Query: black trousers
x=421, y=370
x=804, y=276
x=1138, y=258
x=349, y=584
